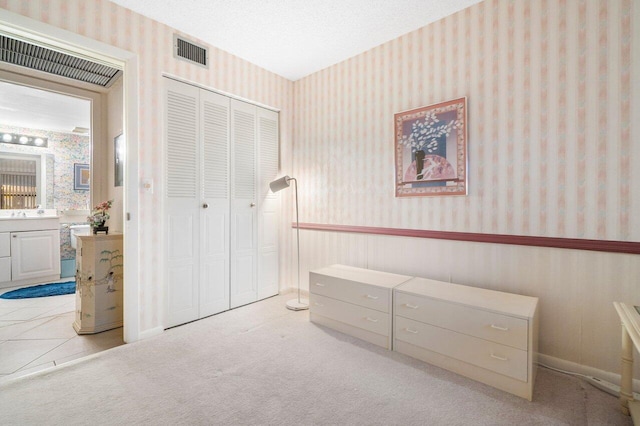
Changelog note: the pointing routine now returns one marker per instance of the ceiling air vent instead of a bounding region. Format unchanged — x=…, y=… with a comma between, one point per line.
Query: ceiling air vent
x=185, y=50
x=39, y=58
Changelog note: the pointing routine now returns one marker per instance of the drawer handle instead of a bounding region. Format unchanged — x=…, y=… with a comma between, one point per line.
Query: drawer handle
x=318, y=304
x=371, y=319
x=372, y=297
x=410, y=306
x=411, y=331
x=497, y=327
x=320, y=284
x=499, y=357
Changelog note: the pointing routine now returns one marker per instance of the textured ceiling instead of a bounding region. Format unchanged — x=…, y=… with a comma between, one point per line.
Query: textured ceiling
x=294, y=38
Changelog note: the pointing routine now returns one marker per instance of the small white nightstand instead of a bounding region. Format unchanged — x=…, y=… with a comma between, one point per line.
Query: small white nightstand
x=630, y=318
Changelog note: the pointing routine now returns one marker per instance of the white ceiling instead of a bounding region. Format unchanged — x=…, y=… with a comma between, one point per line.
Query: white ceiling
x=23, y=106
x=294, y=38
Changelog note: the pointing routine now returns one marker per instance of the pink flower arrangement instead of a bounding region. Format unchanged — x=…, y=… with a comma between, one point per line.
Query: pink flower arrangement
x=100, y=214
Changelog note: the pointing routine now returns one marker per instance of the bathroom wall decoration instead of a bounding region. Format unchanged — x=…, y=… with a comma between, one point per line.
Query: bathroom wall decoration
x=81, y=176
x=431, y=150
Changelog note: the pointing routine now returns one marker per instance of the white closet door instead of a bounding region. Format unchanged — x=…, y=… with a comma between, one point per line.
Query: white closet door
x=214, y=214
x=243, y=204
x=268, y=203
x=182, y=202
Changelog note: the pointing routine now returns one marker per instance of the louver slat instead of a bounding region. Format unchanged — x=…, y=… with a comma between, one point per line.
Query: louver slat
x=216, y=151
x=268, y=154
x=181, y=145
x=244, y=152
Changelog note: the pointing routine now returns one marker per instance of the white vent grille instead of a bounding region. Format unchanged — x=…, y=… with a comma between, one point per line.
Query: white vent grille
x=39, y=58
x=181, y=145
x=268, y=154
x=216, y=152
x=244, y=152
x=189, y=51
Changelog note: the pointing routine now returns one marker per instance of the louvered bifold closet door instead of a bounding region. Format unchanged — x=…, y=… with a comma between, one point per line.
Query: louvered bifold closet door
x=243, y=204
x=182, y=198
x=268, y=206
x=214, y=217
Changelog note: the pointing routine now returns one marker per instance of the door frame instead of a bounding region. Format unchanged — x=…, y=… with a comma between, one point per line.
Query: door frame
x=27, y=29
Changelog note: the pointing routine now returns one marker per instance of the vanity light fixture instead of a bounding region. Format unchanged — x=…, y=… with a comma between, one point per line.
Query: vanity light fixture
x=18, y=139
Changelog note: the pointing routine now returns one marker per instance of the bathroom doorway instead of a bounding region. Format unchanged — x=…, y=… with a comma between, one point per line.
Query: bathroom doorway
x=38, y=333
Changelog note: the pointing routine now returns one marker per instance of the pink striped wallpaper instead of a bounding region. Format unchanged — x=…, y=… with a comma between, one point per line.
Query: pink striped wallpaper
x=548, y=85
x=152, y=42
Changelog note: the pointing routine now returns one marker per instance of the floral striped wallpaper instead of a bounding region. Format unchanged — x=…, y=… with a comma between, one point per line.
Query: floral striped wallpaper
x=548, y=85
x=152, y=42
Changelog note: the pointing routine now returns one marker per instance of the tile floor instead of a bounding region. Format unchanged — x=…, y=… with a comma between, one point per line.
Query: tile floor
x=37, y=333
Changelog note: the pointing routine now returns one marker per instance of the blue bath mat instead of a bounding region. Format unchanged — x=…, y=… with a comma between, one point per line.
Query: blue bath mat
x=42, y=290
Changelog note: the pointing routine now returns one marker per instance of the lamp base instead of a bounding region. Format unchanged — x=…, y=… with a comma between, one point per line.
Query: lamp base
x=294, y=305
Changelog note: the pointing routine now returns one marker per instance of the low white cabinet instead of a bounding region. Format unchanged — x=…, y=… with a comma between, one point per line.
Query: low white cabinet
x=354, y=301
x=99, y=283
x=486, y=335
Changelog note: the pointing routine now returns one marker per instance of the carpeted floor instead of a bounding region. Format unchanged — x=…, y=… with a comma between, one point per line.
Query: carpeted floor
x=263, y=364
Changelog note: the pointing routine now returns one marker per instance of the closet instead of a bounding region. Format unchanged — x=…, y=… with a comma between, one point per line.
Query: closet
x=220, y=217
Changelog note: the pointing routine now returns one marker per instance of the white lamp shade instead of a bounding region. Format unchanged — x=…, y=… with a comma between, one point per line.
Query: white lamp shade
x=280, y=184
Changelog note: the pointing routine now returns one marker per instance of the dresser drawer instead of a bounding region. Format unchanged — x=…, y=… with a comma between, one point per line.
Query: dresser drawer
x=492, y=356
x=357, y=316
x=369, y=296
x=5, y=244
x=498, y=328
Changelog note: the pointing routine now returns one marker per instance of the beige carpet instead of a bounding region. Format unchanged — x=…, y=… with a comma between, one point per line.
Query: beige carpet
x=263, y=364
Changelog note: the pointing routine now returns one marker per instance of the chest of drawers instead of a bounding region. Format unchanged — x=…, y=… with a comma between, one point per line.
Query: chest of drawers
x=486, y=335
x=354, y=301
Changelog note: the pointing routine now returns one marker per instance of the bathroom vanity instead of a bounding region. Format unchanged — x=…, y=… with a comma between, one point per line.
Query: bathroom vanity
x=29, y=250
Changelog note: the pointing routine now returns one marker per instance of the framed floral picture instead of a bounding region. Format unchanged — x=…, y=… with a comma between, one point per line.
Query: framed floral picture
x=431, y=150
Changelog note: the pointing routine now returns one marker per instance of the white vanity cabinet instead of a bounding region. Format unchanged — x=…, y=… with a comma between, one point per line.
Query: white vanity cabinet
x=29, y=250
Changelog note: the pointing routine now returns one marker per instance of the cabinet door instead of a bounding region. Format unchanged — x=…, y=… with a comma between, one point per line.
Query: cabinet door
x=268, y=203
x=182, y=202
x=35, y=254
x=214, y=214
x=243, y=205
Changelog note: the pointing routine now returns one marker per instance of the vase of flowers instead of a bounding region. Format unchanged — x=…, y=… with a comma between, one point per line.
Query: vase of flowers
x=99, y=216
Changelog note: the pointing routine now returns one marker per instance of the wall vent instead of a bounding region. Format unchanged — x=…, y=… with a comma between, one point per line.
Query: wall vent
x=191, y=52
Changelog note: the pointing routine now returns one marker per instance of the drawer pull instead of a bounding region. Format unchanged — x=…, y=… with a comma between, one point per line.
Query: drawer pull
x=410, y=306
x=318, y=304
x=411, y=331
x=497, y=327
x=499, y=357
x=320, y=284
x=372, y=297
x=371, y=319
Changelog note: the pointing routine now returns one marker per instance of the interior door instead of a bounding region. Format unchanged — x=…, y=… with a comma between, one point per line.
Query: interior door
x=268, y=204
x=243, y=204
x=182, y=202
x=214, y=213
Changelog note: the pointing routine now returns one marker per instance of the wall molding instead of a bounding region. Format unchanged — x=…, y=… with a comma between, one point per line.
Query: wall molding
x=610, y=246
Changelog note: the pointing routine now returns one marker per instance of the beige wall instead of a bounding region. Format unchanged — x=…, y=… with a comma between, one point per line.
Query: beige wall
x=550, y=91
x=152, y=42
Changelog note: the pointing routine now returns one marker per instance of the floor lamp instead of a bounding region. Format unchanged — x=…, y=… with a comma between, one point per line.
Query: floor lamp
x=278, y=185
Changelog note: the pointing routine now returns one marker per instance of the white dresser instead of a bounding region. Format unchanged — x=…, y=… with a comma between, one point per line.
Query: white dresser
x=486, y=335
x=354, y=301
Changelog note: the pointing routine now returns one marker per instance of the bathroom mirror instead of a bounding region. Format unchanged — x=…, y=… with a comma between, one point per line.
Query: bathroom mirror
x=26, y=180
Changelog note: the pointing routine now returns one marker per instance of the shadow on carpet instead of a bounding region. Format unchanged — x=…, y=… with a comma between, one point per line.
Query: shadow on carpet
x=42, y=290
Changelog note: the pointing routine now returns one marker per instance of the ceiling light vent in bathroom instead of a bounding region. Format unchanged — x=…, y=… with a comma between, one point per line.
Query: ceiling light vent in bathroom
x=39, y=58
x=191, y=52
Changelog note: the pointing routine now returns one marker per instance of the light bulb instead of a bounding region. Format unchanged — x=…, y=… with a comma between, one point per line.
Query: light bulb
x=7, y=137
x=39, y=141
x=23, y=139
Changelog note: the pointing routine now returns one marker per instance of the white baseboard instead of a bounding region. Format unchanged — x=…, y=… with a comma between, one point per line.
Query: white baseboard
x=573, y=367
x=150, y=333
